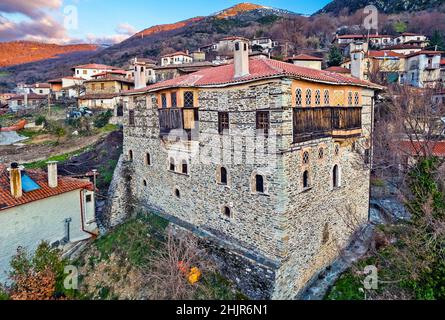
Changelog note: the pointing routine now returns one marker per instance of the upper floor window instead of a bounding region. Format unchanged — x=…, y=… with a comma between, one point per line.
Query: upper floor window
x=131, y=117
x=173, y=99
x=320, y=153
x=223, y=122
x=102, y=86
x=147, y=159
x=317, y=97
x=227, y=212
x=350, y=98
x=163, y=100
x=189, y=99
x=335, y=177
x=308, y=97
x=223, y=176
x=172, y=164
x=306, y=157
x=306, y=182
x=326, y=98
x=185, y=168
x=259, y=183
x=299, y=98
x=356, y=99
x=130, y=155
x=263, y=122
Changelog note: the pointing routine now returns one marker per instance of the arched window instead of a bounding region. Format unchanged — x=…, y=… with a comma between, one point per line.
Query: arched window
x=223, y=175
x=298, y=98
x=320, y=153
x=259, y=183
x=308, y=97
x=130, y=155
x=147, y=159
x=172, y=164
x=317, y=97
x=144, y=182
x=326, y=98
x=306, y=183
x=177, y=193
x=227, y=212
x=306, y=157
x=335, y=177
x=185, y=169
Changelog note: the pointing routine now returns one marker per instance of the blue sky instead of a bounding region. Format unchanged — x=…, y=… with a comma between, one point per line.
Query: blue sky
x=112, y=20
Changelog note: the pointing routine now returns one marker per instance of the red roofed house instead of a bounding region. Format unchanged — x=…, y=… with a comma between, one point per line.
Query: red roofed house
x=374, y=39
x=87, y=71
x=257, y=157
x=66, y=87
x=35, y=207
x=26, y=101
x=423, y=69
x=412, y=39
x=305, y=60
x=442, y=70
x=176, y=58
x=413, y=150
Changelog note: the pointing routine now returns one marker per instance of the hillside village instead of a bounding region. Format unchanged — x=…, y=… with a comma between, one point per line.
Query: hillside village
x=273, y=158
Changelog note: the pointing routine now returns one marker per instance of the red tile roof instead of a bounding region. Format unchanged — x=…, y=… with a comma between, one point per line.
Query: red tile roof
x=121, y=72
x=260, y=69
x=415, y=148
x=95, y=66
x=384, y=53
x=360, y=36
x=30, y=96
x=442, y=62
x=304, y=57
x=426, y=52
x=411, y=34
x=179, y=53
x=65, y=184
x=338, y=69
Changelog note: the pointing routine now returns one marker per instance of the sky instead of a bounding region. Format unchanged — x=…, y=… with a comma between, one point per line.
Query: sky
x=111, y=21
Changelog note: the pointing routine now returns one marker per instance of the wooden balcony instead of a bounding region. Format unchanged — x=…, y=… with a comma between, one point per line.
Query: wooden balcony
x=321, y=122
x=186, y=119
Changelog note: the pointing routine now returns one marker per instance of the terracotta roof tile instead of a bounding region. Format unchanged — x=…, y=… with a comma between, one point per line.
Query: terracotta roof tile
x=95, y=66
x=384, y=53
x=338, y=69
x=65, y=184
x=260, y=69
x=417, y=147
x=306, y=57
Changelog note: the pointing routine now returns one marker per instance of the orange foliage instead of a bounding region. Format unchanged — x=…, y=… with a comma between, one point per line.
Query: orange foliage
x=168, y=27
x=34, y=286
x=239, y=8
x=18, y=52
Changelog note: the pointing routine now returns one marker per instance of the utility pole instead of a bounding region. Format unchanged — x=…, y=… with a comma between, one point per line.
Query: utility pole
x=49, y=104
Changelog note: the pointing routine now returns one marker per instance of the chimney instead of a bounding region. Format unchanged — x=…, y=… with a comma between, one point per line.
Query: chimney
x=15, y=178
x=358, y=61
x=241, y=58
x=52, y=174
x=140, y=79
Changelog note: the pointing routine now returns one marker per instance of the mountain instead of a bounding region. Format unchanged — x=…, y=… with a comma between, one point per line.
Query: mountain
x=384, y=6
x=20, y=52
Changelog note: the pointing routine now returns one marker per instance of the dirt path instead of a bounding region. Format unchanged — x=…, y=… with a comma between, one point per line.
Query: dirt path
x=37, y=152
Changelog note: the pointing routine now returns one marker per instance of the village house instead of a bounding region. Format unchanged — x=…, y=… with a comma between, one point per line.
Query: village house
x=36, y=206
x=410, y=38
x=172, y=71
x=342, y=70
x=404, y=49
x=442, y=72
x=176, y=58
x=374, y=39
x=4, y=97
x=270, y=168
x=305, y=60
x=87, y=71
x=423, y=69
x=66, y=87
x=144, y=70
x=36, y=88
x=266, y=44
x=26, y=101
x=104, y=92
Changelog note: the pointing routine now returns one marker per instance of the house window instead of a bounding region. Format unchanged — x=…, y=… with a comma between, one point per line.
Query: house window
x=308, y=97
x=227, y=212
x=144, y=182
x=223, y=176
x=337, y=149
x=259, y=183
x=306, y=183
x=88, y=198
x=356, y=98
x=350, y=98
x=320, y=153
x=120, y=111
x=189, y=99
x=185, y=169
x=317, y=97
x=130, y=155
x=367, y=156
x=306, y=157
x=223, y=122
x=163, y=101
x=102, y=86
x=173, y=99
x=177, y=193
x=335, y=177
x=85, y=72
x=172, y=164
x=147, y=159
x=93, y=87
x=262, y=122
x=326, y=98
x=131, y=117
x=298, y=98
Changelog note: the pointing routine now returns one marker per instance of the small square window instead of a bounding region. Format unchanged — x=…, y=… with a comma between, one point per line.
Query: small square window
x=88, y=198
x=223, y=122
x=189, y=99
x=263, y=122
x=131, y=117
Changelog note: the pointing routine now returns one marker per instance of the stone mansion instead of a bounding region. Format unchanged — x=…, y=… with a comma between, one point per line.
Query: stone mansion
x=266, y=161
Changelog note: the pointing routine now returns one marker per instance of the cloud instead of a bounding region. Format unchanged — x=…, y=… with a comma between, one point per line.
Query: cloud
x=34, y=9
x=126, y=28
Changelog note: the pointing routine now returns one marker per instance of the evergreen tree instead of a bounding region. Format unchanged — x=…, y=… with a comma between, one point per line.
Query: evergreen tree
x=335, y=58
x=437, y=40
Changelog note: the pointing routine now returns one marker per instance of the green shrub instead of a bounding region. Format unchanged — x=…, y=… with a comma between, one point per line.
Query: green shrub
x=40, y=120
x=102, y=119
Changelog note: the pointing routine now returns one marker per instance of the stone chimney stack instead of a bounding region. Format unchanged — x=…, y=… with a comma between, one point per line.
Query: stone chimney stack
x=241, y=58
x=15, y=178
x=52, y=174
x=140, y=79
x=358, y=52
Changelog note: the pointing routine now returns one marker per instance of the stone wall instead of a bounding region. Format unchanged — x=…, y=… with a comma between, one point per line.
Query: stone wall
x=282, y=236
